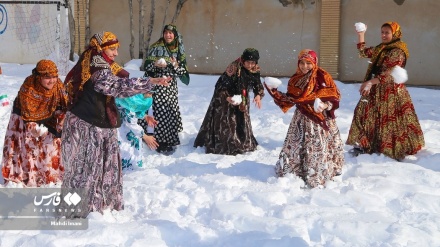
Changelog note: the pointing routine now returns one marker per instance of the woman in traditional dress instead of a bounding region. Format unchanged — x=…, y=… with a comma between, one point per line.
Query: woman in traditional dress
x=384, y=119
x=90, y=149
x=31, y=151
x=130, y=134
x=226, y=128
x=313, y=149
x=166, y=57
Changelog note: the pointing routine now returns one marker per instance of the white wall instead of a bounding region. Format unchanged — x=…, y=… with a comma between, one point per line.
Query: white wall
x=31, y=32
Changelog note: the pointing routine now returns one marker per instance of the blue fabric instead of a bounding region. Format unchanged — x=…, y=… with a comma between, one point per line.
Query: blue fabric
x=136, y=103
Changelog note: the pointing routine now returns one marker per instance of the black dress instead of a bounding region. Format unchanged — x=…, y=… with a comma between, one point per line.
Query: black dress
x=227, y=129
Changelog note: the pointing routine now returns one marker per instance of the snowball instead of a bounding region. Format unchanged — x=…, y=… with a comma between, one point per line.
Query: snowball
x=272, y=82
x=360, y=27
x=162, y=61
x=236, y=99
x=41, y=130
x=316, y=104
x=399, y=74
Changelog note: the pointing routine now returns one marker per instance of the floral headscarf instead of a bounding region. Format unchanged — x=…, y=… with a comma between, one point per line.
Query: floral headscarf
x=46, y=68
x=160, y=49
x=395, y=28
x=92, y=60
x=309, y=55
x=35, y=102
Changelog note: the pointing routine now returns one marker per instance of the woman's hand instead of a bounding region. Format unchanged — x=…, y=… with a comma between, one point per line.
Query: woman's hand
x=151, y=121
x=257, y=101
x=319, y=106
x=361, y=35
x=32, y=128
x=362, y=32
x=174, y=62
x=59, y=115
x=163, y=81
x=36, y=130
x=365, y=88
x=150, y=141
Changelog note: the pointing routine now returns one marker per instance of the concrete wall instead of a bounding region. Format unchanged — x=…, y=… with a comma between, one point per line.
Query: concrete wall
x=216, y=32
x=420, y=30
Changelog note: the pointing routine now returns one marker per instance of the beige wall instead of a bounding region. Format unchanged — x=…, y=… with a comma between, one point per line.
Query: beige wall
x=217, y=31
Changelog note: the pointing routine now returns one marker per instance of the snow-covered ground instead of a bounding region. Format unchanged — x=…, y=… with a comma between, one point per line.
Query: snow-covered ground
x=195, y=199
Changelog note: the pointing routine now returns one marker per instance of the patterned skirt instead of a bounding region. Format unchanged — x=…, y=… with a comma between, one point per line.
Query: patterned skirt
x=311, y=152
x=225, y=129
x=92, y=162
x=167, y=113
x=385, y=122
x=33, y=161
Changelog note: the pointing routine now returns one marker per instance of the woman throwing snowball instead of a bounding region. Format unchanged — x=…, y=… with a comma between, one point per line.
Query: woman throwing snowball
x=384, y=119
x=227, y=127
x=313, y=149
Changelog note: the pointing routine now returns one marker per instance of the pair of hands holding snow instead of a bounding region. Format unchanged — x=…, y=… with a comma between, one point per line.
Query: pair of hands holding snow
x=36, y=130
x=320, y=106
x=161, y=63
x=162, y=81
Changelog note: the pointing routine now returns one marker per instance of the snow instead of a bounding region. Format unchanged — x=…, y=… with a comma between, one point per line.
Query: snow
x=399, y=74
x=360, y=27
x=236, y=99
x=195, y=199
x=272, y=82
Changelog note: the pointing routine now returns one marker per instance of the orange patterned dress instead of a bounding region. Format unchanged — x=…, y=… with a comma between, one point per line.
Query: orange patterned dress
x=29, y=156
x=385, y=121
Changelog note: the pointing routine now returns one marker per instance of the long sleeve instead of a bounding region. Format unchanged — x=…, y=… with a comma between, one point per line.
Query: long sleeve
x=258, y=88
x=364, y=51
x=108, y=84
x=395, y=57
x=225, y=83
x=281, y=99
